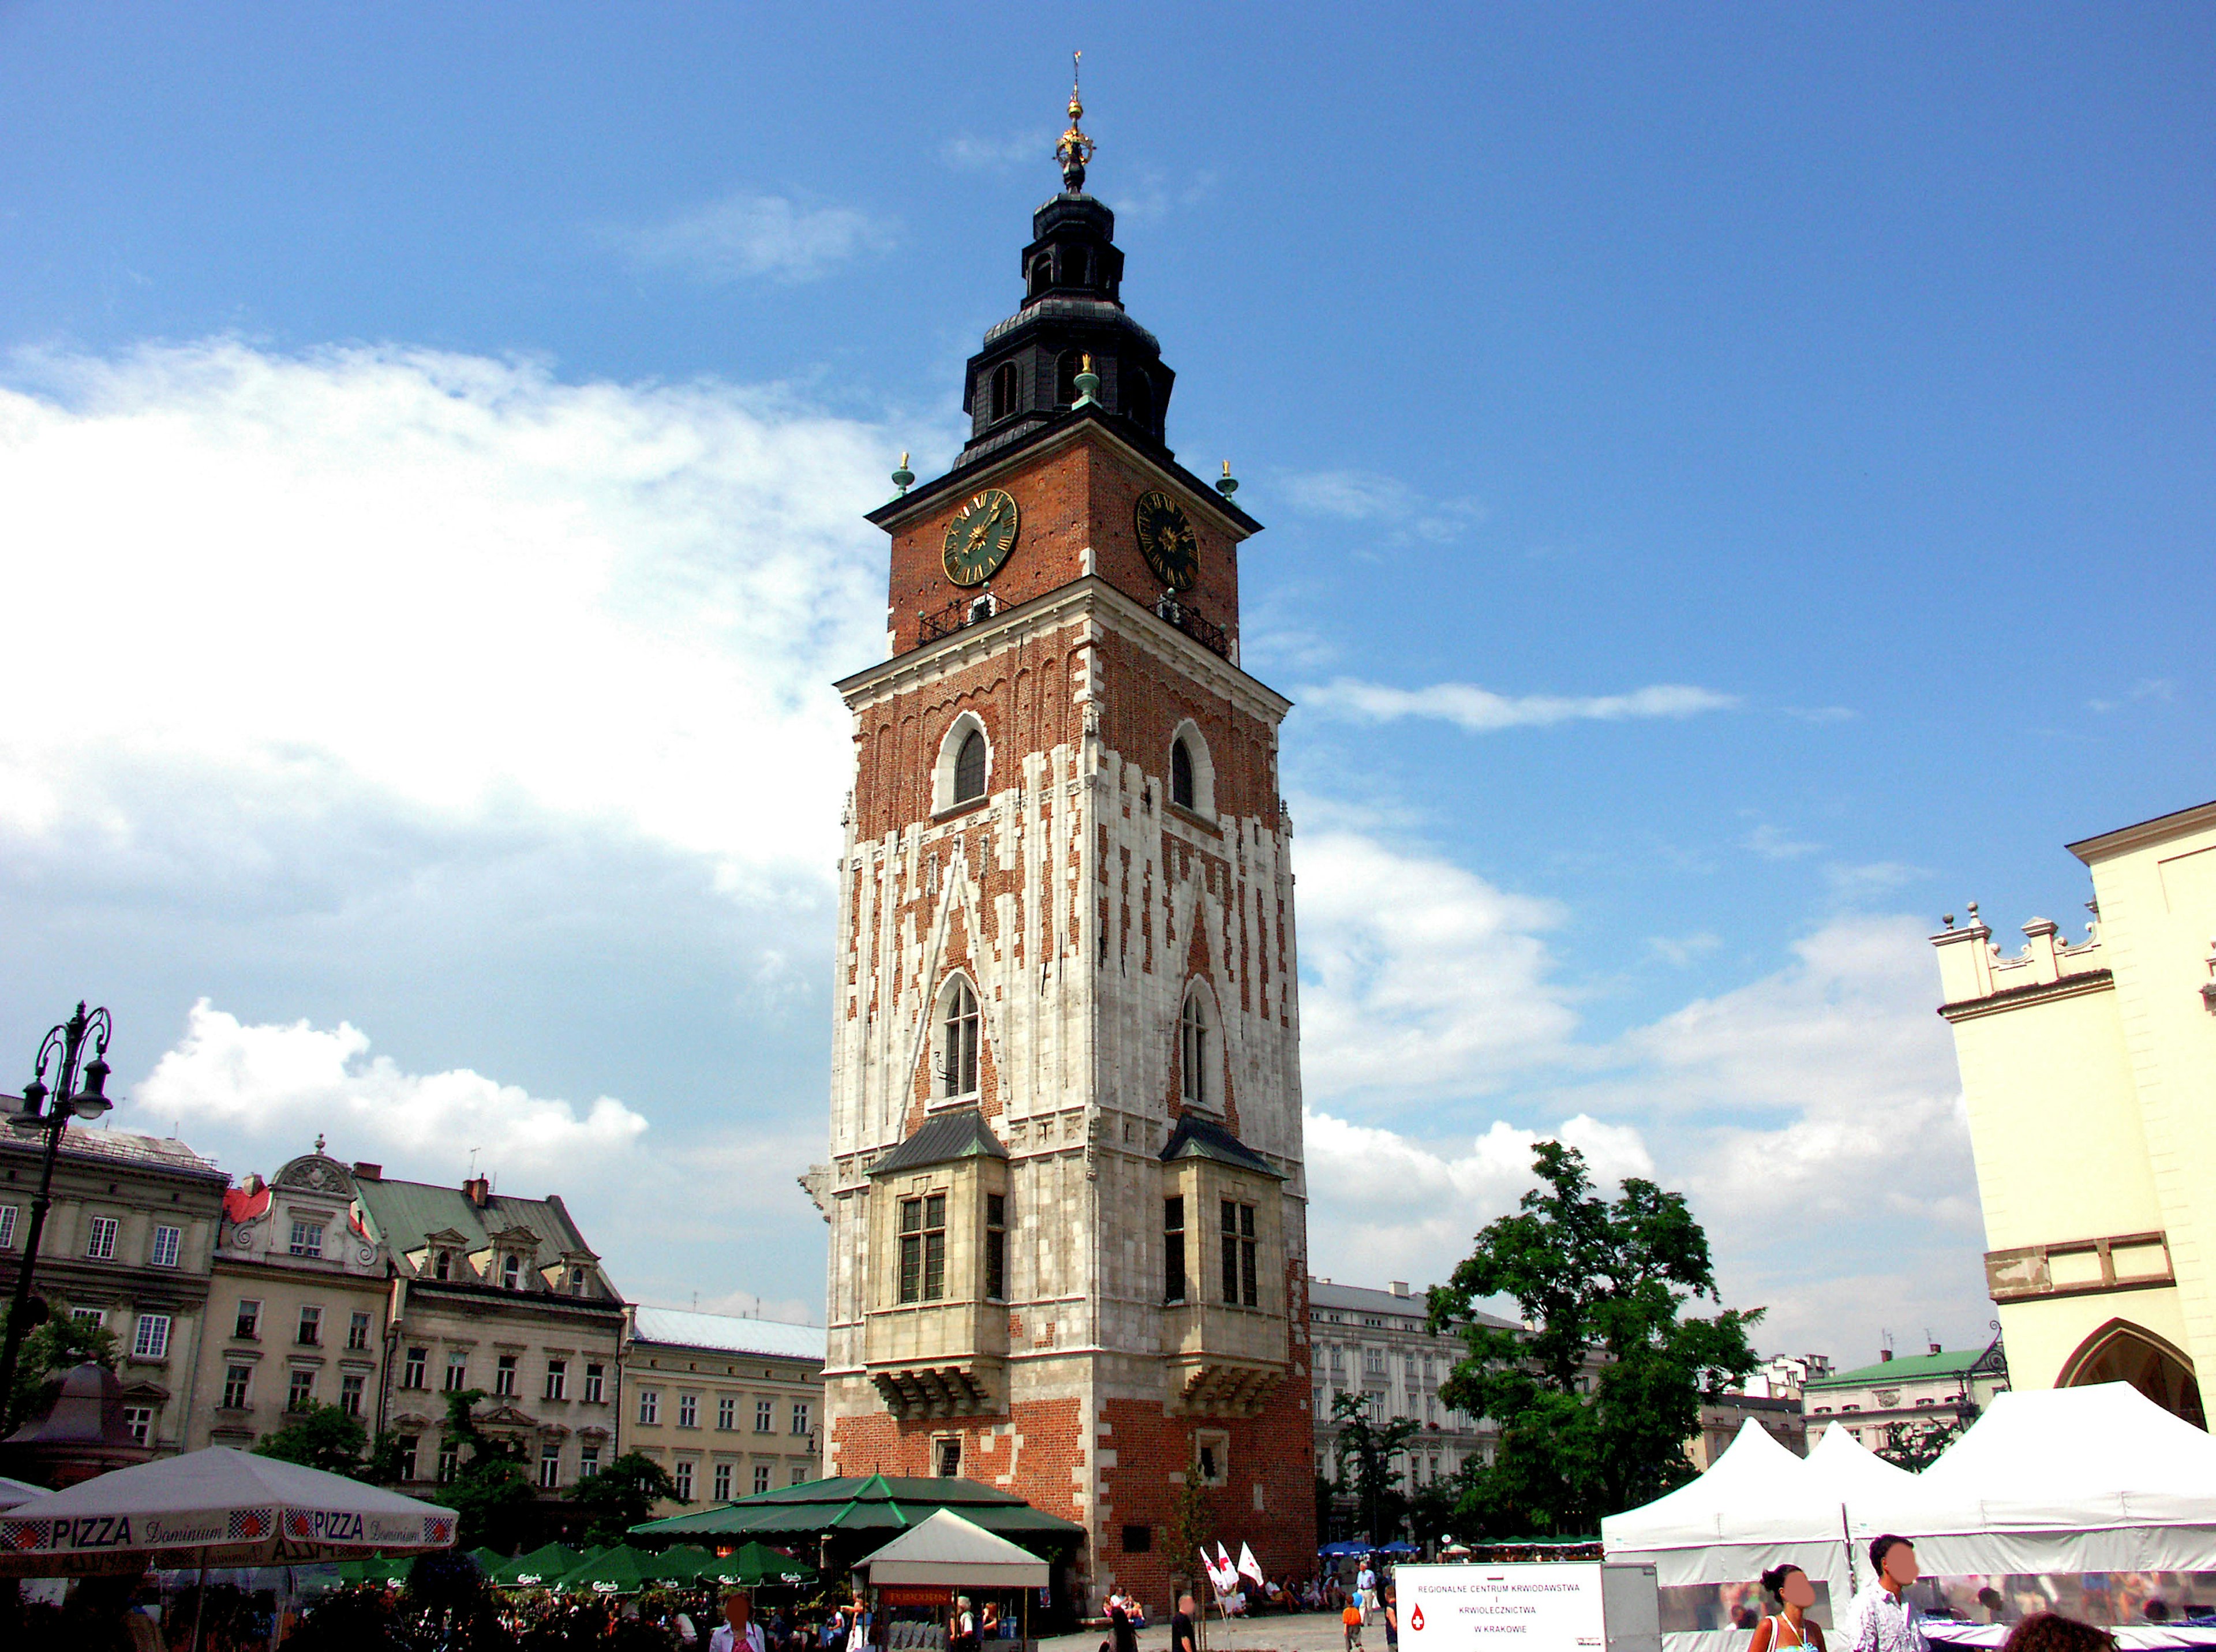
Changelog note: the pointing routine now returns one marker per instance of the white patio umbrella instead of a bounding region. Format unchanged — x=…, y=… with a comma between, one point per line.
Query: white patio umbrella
x=212, y=1507
x=16, y=1492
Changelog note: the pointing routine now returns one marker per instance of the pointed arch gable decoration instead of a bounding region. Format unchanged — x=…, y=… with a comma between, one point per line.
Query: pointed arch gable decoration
x=2123, y=1351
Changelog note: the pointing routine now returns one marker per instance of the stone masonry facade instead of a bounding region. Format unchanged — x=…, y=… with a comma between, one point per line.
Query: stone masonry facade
x=1087, y=910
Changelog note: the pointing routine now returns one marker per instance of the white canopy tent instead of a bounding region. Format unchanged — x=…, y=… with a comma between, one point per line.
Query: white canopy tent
x=1757, y=1507
x=16, y=1493
x=947, y=1549
x=2090, y=1479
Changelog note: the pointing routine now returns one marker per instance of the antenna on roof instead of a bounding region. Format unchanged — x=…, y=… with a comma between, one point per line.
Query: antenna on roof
x=473, y=1161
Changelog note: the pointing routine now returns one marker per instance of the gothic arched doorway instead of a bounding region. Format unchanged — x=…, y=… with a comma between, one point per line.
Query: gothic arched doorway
x=2120, y=1352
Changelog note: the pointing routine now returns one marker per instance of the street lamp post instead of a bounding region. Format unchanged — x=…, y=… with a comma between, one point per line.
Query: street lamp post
x=62, y=1048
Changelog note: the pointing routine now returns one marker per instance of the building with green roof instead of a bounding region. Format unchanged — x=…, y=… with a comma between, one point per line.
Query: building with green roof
x=1909, y=1405
x=503, y=1294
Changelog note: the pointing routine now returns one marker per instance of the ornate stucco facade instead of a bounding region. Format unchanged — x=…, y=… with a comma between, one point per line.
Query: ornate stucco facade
x=1066, y=1193
x=2090, y=1073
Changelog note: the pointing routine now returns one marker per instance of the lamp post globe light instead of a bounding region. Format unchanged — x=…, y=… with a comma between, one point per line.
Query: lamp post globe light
x=79, y=1091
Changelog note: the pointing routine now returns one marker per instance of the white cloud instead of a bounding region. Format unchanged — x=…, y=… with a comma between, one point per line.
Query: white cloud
x=969, y=152
x=1481, y=711
x=1417, y=975
x=455, y=582
x=745, y=234
x=1813, y=1118
x=1774, y=844
x=1372, y=496
x=1388, y=1206
x=270, y=1086
x=1679, y=951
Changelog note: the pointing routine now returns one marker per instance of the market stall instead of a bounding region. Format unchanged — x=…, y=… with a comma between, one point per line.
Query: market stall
x=946, y=1556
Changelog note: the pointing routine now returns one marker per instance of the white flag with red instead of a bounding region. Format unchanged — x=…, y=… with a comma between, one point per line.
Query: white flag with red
x=1248, y=1566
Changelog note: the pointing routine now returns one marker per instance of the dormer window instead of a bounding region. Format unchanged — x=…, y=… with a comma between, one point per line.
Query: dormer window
x=1004, y=389
x=576, y=1281
x=511, y=1271
x=957, y=1072
x=442, y=1265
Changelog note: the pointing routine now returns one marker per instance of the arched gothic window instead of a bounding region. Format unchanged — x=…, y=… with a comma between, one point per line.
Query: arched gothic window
x=442, y=1266
x=1196, y=1049
x=1004, y=389
x=958, y=1058
x=969, y=768
x=1041, y=274
x=1181, y=792
x=511, y=1272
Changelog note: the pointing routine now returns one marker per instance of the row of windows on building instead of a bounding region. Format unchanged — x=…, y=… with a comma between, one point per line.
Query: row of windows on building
x=507, y=1375
x=727, y=1412
x=299, y=1390
x=960, y=1027
x=163, y=1245
x=307, y=1329
x=923, y=1251
x=1188, y=761
x=1138, y=390
x=1238, y=1252
x=513, y=1268
x=723, y=1477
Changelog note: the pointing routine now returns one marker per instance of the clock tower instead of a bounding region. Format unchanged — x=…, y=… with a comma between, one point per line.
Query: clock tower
x=1067, y=1200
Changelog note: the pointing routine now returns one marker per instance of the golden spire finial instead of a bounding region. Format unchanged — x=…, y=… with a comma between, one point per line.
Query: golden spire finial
x=1075, y=148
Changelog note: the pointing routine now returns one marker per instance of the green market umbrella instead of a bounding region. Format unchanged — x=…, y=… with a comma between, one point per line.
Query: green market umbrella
x=537, y=1568
x=620, y=1569
x=756, y=1564
x=487, y=1558
x=376, y=1569
x=688, y=1563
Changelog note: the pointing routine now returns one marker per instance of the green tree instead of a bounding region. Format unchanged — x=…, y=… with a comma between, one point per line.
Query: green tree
x=51, y=1349
x=490, y=1492
x=623, y=1495
x=1581, y=1437
x=1365, y=1465
x=1916, y=1446
x=1432, y=1507
x=320, y=1436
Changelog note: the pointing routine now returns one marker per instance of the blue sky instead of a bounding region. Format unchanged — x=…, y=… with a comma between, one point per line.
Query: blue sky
x=1737, y=480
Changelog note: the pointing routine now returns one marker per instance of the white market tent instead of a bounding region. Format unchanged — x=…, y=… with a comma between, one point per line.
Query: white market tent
x=1758, y=1505
x=949, y=1550
x=2098, y=1478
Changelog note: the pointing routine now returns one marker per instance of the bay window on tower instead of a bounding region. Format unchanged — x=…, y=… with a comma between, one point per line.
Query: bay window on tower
x=923, y=1248
x=1240, y=1274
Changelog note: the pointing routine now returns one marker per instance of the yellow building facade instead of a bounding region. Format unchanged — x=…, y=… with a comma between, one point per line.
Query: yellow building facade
x=2089, y=1070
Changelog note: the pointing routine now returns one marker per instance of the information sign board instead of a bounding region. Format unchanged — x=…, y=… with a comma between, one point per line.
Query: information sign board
x=1538, y=1606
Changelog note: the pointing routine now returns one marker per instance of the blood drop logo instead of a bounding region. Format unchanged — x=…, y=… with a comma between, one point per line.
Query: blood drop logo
x=1416, y=1618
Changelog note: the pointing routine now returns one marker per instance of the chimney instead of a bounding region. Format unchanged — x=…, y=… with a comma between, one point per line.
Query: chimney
x=1935, y=1348
x=365, y=1171
x=477, y=1188
x=1400, y=1287
x=1884, y=1355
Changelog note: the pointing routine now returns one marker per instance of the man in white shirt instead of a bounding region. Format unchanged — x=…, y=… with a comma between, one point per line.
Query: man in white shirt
x=1883, y=1618
x=737, y=1632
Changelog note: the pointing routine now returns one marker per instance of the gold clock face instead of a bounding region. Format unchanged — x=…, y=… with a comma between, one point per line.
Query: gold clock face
x=1172, y=548
x=980, y=537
